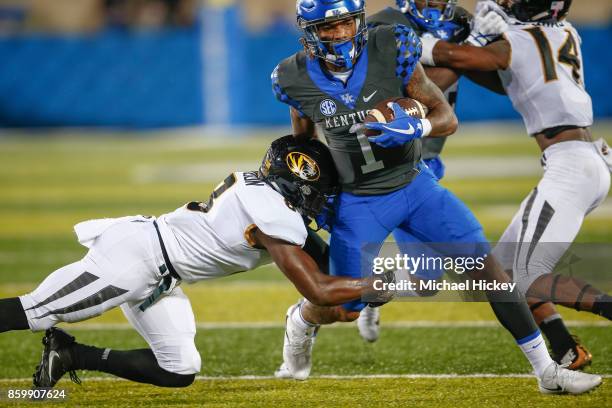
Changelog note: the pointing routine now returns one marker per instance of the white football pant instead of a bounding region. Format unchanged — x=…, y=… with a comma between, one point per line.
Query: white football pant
x=121, y=269
x=576, y=180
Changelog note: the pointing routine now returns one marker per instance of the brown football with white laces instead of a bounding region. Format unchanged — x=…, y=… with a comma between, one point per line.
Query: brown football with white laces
x=383, y=113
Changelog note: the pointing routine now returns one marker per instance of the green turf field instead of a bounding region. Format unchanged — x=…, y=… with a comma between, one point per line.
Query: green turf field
x=429, y=354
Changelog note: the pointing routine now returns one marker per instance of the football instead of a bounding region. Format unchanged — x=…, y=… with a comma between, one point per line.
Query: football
x=383, y=113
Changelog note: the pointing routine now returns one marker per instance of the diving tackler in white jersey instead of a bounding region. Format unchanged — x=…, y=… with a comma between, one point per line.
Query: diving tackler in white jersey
x=137, y=262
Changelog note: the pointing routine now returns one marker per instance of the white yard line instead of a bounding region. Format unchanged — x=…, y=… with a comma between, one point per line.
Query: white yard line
x=276, y=325
x=323, y=377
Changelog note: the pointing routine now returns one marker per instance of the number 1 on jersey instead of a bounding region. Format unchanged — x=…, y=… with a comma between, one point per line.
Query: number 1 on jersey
x=371, y=164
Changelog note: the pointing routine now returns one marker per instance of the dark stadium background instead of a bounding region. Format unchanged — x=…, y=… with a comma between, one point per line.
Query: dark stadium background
x=166, y=63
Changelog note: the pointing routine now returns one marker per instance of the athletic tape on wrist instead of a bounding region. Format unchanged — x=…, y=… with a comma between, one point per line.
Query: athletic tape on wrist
x=428, y=44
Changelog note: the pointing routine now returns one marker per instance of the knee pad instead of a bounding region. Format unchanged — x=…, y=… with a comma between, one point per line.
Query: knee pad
x=179, y=359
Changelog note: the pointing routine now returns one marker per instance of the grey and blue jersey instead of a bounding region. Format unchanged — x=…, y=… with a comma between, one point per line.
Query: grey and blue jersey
x=382, y=71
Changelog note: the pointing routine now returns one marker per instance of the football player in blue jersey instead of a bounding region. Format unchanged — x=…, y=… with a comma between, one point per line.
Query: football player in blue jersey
x=440, y=19
x=343, y=71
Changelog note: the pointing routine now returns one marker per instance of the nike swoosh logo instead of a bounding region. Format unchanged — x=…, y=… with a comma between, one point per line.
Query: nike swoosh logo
x=367, y=99
x=52, y=356
x=409, y=131
x=537, y=345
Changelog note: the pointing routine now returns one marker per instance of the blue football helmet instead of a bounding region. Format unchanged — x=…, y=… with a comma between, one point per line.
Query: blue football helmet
x=312, y=13
x=435, y=17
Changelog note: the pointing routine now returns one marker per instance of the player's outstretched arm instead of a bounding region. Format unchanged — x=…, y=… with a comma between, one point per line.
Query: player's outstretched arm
x=487, y=79
x=441, y=76
x=493, y=57
x=441, y=115
x=302, y=271
x=444, y=77
x=303, y=127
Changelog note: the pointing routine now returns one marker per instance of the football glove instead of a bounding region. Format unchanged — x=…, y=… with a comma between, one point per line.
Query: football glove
x=489, y=22
x=376, y=298
x=401, y=130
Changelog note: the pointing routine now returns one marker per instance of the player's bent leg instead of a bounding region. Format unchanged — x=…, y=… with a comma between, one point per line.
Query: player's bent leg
x=442, y=218
x=63, y=354
x=122, y=264
x=353, y=229
x=354, y=233
x=168, y=327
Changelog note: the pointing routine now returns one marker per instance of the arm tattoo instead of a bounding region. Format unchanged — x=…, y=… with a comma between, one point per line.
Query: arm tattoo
x=421, y=88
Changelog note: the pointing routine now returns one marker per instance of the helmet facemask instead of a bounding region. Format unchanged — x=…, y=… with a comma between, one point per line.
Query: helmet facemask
x=342, y=53
x=432, y=15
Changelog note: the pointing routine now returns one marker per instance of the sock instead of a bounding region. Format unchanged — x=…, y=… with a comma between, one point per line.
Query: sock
x=557, y=334
x=536, y=352
x=12, y=315
x=603, y=306
x=513, y=313
x=297, y=319
x=88, y=357
x=135, y=365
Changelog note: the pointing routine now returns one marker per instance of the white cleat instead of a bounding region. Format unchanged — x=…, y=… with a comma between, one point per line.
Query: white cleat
x=369, y=323
x=559, y=380
x=297, y=348
x=282, y=372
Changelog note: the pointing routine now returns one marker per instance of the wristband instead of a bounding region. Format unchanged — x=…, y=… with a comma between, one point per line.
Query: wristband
x=426, y=127
x=428, y=44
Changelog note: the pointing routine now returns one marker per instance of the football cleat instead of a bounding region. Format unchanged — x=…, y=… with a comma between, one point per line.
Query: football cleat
x=576, y=358
x=559, y=380
x=56, y=359
x=368, y=323
x=283, y=372
x=297, y=347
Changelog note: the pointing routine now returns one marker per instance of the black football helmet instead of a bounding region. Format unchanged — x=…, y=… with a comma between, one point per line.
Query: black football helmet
x=303, y=172
x=537, y=10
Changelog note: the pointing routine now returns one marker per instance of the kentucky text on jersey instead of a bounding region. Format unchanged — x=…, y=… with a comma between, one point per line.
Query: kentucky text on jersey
x=348, y=119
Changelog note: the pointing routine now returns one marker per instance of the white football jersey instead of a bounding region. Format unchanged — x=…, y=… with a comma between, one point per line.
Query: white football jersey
x=545, y=79
x=212, y=239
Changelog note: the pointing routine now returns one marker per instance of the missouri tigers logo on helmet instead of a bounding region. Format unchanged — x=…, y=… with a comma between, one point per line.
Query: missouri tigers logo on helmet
x=303, y=166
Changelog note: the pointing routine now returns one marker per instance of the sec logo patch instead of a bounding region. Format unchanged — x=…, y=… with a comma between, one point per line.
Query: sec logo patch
x=328, y=107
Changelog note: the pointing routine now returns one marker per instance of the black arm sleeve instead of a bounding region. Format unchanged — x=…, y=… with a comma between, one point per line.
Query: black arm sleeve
x=318, y=249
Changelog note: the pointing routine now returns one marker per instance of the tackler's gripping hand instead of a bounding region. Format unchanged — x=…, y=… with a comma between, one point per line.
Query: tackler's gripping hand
x=489, y=23
x=401, y=130
x=383, y=297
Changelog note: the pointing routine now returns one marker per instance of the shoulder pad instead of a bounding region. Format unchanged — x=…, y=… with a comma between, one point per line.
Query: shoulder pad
x=387, y=16
x=268, y=211
x=409, y=49
x=286, y=69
